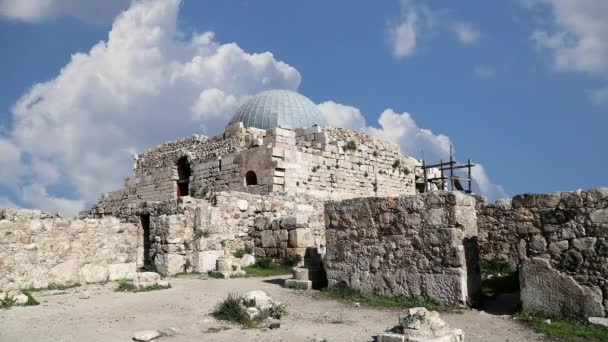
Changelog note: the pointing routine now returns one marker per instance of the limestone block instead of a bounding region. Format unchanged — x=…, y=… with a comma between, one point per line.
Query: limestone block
x=122, y=271
x=91, y=273
x=169, y=263
x=301, y=237
x=146, y=279
x=247, y=260
x=268, y=239
x=260, y=297
x=300, y=273
x=583, y=243
x=599, y=216
x=546, y=290
x=390, y=337
x=65, y=273
x=145, y=335
x=243, y=205
x=224, y=264
x=298, y=284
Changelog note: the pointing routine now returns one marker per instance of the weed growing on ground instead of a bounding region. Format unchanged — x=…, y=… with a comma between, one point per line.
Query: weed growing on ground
x=31, y=301
x=215, y=275
x=125, y=285
x=564, y=329
x=52, y=287
x=386, y=301
x=230, y=309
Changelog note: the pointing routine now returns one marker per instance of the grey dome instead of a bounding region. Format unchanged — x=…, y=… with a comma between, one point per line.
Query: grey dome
x=278, y=108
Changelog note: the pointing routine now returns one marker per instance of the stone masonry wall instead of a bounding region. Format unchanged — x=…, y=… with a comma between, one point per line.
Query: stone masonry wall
x=497, y=239
x=311, y=161
x=414, y=246
x=37, y=249
x=202, y=230
x=560, y=241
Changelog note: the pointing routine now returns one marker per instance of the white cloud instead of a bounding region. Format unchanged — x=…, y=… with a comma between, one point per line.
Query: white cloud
x=142, y=86
x=339, y=115
x=466, y=33
x=402, y=129
x=578, y=36
x=402, y=35
x=484, y=71
x=93, y=11
x=600, y=96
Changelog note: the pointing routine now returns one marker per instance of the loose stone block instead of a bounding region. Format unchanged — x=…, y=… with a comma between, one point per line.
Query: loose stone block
x=92, y=273
x=122, y=271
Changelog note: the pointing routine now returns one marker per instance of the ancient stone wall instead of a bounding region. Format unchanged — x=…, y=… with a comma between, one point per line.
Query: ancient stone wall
x=497, y=237
x=329, y=163
x=37, y=249
x=202, y=230
x=414, y=246
x=560, y=241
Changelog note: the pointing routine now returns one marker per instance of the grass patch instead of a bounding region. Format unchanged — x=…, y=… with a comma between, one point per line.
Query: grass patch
x=186, y=274
x=51, y=287
x=125, y=285
x=230, y=309
x=386, y=301
x=215, y=275
x=565, y=329
x=31, y=301
x=273, y=270
x=498, y=277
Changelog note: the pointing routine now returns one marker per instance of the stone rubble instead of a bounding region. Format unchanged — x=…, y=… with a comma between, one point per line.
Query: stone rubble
x=422, y=325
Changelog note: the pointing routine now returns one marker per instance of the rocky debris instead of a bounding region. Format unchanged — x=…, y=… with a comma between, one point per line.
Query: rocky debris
x=230, y=267
x=14, y=296
x=300, y=279
x=84, y=295
x=419, y=325
x=247, y=260
x=598, y=321
x=261, y=299
x=145, y=335
x=147, y=279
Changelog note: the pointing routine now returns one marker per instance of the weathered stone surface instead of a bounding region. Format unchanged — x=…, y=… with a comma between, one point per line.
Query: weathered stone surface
x=421, y=325
x=298, y=284
x=65, y=273
x=374, y=246
x=122, y=271
x=301, y=237
x=170, y=263
x=247, y=260
x=224, y=264
x=91, y=273
x=260, y=297
x=207, y=260
x=603, y=321
x=145, y=335
x=300, y=273
x=146, y=279
x=544, y=289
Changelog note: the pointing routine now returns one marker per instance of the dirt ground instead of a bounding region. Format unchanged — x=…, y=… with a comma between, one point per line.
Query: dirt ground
x=112, y=316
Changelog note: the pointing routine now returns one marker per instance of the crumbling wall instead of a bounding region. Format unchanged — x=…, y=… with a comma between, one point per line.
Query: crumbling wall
x=560, y=241
x=202, y=230
x=414, y=246
x=37, y=249
x=497, y=237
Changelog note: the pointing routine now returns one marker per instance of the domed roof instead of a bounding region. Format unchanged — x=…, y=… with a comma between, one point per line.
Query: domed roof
x=278, y=108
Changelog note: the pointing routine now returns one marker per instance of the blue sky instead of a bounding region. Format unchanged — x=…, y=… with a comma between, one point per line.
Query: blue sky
x=521, y=91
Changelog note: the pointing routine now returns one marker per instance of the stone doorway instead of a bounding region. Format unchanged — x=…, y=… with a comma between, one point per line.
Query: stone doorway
x=145, y=225
x=183, y=173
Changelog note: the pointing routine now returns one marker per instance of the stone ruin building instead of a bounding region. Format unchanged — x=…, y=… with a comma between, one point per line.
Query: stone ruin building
x=282, y=182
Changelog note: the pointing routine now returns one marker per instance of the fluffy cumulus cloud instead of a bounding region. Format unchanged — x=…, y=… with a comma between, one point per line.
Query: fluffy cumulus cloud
x=577, y=36
x=142, y=86
x=93, y=11
x=402, y=129
x=74, y=136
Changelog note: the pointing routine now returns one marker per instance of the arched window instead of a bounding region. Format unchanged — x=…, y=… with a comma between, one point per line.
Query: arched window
x=251, y=178
x=183, y=173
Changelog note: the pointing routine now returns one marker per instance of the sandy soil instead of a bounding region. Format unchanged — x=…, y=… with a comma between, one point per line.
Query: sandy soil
x=111, y=316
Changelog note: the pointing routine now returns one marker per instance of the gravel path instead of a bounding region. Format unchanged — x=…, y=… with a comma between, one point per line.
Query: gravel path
x=112, y=316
